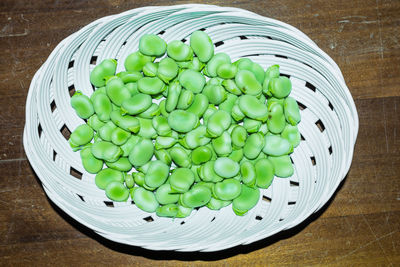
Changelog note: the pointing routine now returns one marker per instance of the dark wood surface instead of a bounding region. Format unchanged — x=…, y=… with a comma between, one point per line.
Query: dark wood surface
x=360, y=226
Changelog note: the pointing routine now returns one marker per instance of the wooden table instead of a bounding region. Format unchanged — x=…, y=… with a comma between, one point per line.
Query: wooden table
x=360, y=226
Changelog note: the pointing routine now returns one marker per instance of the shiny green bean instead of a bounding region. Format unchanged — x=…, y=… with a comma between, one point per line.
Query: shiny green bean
x=222, y=144
x=228, y=189
x=182, y=121
x=264, y=172
x=82, y=135
x=185, y=99
x=167, y=69
x=202, y=45
x=226, y=168
x=144, y=199
x=106, y=176
x=82, y=104
x=136, y=61
x=89, y=162
x=199, y=105
x=105, y=69
x=180, y=157
x=119, y=136
x=192, y=80
x=122, y=164
x=128, y=123
x=106, y=151
x=247, y=199
x=283, y=166
x=292, y=111
x=165, y=195
x=197, y=196
x=218, y=122
x=179, y=51
x=181, y=180
x=253, y=146
x=201, y=155
x=292, y=134
x=152, y=45
x=136, y=104
x=141, y=153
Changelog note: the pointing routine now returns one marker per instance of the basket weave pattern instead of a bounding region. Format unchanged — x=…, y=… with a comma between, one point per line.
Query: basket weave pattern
x=329, y=126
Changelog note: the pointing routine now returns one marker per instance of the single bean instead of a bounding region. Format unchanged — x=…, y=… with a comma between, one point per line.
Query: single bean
x=277, y=121
x=222, y=144
x=169, y=210
x=119, y=136
x=247, y=82
x=226, y=71
x=141, y=153
x=252, y=108
x=276, y=146
x=216, y=94
x=180, y=157
x=164, y=156
x=106, y=176
x=292, y=134
x=117, y=191
x=129, y=181
x=208, y=174
x=174, y=90
x=192, y=80
x=196, y=137
x=151, y=85
x=248, y=173
x=231, y=87
x=182, y=121
x=105, y=131
x=179, y=51
x=211, y=109
x=167, y=69
x=144, y=199
x=152, y=45
x=89, y=162
x=132, y=88
x=237, y=113
x=197, y=196
x=130, y=76
x=181, y=180
x=82, y=105
x=280, y=87
x=291, y=110
x=151, y=112
x=199, y=105
x=185, y=99
x=228, y=104
x=102, y=106
x=160, y=124
x=201, y=155
x=218, y=122
x=165, y=195
x=239, y=136
x=150, y=69
x=215, y=62
x=236, y=155
x=226, y=168
x=95, y=123
x=247, y=199
x=264, y=172
x=157, y=173
x=183, y=211
x=283, y=166
x=128, y=123
x=82, y=135
x=202, y=45
x=122, y=164
x=105, y=69
x=164, y=142
x=217, y=204
x=136, y=104
x=116, y=90
x=228, y=189
x=251, y=126
x=146, y=129
x=253, y=146
x=106, y=151
x=136, y=61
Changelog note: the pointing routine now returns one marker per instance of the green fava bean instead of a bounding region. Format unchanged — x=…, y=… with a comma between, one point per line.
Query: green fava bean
x=253, y=146
x=160, y=124
x=192, y=80
x=247, y=82
x=95, y=123
x=199, y=105
x=247, y=199
x=169, y=210
x=152, y=45
x=276, y=146
x=236, y=155
x=106, y=151
x=231, y=87
x=195, y=64
x=128, y=123
x=106, y=176
x=116, y=90
x=248, y=173
x=117, y=191
x=202, y=45
x=157, y=173
x=291, y=110
x=228, y=189
x=164, y=142
x=180, y=157
x=139, y=180
x=211, y=109
x=239, y=136
x=122, y=164
x=197, y=196
x=292, y=134
x=197, y=137
x=174, y=91
x=136, y=61
x=130, y=76
x=146, y=129
x=129, y=181
x=145, y=199
x=185, y=99
x=208, y=174
x=179, y=51
x=237, y=113
x=82, y=135
x=181, y=180
x=119, y=136
x=226, y=168
x=151, y=112
x=132, y=88
x=141, y=153
x=162, y=108
x=280, y=87
x=136, y=104
x=264, y=173
x=150, y=69
x=271, y=72
x=252, y=126
x=183, y=211
x=252, y=108
x=201, y=154
x=276, y=122
x=283, y=166
x=182, y=121
x=82, y=105
x=106, y=131
x=164, y=156
x=89, y=162
x=105, y=69
x=215, y=62
x=151, y=85
x=223, y=144
x=258, y=72
x=228, y=104
x=167, y=69
x=216, y=94
x=218, y=122
x=165, y=195
x=102, y=106
x=217, y=204
x=98, y=91
x=226, y=71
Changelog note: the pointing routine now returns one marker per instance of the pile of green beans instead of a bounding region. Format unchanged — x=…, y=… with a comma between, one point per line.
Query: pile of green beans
x=186, y=130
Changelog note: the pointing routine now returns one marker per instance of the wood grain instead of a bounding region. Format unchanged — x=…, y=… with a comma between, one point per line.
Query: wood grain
x=359, y=226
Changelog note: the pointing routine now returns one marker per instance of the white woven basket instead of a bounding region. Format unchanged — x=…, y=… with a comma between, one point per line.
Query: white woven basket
x=329, y=126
